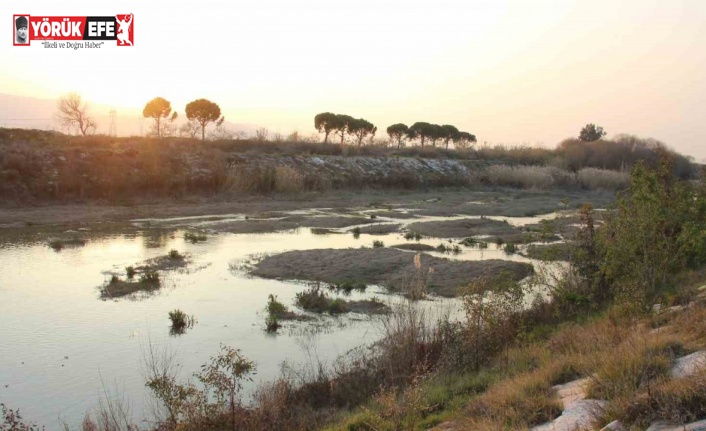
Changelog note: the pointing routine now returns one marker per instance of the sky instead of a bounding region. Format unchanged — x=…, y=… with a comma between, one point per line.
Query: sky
x=508, y=71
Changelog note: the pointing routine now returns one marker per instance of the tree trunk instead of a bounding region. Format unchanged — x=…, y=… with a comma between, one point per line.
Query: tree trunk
x=159, y=131
x=203, y=132
x=326, y=137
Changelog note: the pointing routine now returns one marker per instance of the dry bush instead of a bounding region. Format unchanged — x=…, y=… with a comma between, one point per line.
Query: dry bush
x=515, y=155
x=288, y=180
x=528, y=177
x=602, y=179
x=518, y=403
x=677, y=400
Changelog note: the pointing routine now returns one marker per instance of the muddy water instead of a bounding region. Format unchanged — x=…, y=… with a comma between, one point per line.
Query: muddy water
x=61, y=346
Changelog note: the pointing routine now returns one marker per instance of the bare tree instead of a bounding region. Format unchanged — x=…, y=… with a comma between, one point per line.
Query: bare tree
x=261, y=134
x=72, y=112
x=190, y=129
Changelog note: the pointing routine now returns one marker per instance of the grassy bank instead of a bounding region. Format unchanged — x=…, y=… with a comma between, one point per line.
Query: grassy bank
x=38, y=166
x=494, y=367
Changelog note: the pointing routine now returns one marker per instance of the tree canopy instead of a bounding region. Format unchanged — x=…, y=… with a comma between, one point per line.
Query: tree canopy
x=360, y=128
x=591, y=132
x=325, y=123
x=158, y=109
x=204, y=112
x=397, y=132
x=450, y=134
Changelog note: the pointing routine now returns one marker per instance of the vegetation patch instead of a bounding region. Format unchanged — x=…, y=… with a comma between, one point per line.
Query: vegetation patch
x=550, y=252
x=380, y=229
x=414, y=247
x=195, y=237
x=317, y=301
x=291, y=222
x=180, y=322
x=385, y=266
x=149, y=282
x=449, y=249
x=60, y=244
x=464, y=228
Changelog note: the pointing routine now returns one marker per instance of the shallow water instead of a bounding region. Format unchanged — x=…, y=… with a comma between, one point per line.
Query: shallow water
x=61, y=345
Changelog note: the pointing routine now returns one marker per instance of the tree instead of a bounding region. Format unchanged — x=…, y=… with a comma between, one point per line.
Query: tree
x=398, y=132
x=361, y=128
x=223, y=377
x=591, y=133
x=436, y=132
x=421, y=130
x=190, y=128
x=342, y=125
x=655, y=232
x=204, y=112
x=464, y=140
x=158, y=109
x=72, y=112
x=325, y=123
x=450, y=134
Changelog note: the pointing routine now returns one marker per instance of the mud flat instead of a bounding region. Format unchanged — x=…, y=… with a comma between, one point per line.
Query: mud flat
x=288, y=223
x=392, y=268
x=464, y=228
x=380, y=229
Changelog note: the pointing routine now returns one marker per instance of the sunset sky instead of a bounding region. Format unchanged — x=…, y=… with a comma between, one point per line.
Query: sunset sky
x=513, y=71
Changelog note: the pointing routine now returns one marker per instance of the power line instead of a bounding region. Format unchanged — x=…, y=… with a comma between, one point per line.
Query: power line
x=26, y=119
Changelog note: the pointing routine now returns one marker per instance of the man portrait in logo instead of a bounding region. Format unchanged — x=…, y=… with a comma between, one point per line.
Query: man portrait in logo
x=21, y=30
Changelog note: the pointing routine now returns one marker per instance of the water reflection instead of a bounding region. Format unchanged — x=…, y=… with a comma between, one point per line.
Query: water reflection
x=55, y=305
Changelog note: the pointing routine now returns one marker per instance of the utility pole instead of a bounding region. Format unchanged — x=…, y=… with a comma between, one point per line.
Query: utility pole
x=112, y=131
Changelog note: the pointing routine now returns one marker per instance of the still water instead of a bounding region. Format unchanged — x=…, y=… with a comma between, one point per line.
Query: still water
x=61, y=345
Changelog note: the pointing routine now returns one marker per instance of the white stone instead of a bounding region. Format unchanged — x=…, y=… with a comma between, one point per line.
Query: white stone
x=667, y=426
x=613, y=426
x=579, y=416
x=690, y=364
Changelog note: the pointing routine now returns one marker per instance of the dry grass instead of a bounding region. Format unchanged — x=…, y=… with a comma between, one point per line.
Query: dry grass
x=602, y=179
x=528, y=177
x=517, y=403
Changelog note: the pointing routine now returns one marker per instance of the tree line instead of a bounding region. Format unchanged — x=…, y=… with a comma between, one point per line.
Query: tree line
x=73, y=112
x=340, y=125
x=199, y=112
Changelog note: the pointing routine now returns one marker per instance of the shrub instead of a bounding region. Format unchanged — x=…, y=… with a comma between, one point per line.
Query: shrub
x=510, y=248
x=318, y=301
x=194, y=237
x=528, y=177
x=288, y=180
x=378, y=244
x=130, y=272
x=410, y=235
x=356, y=232
x=274, y=307
x=451, y=249
x=174, y=254
x=150, y=277
x=602, y=179
x=180, y=322
x=272, y=324
x=12, y=421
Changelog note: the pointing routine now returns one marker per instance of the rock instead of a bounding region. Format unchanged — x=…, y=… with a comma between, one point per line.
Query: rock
x=689, y=364
x=579, y=416
x=613, y=426
x=572, y=391
x=668, y=426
